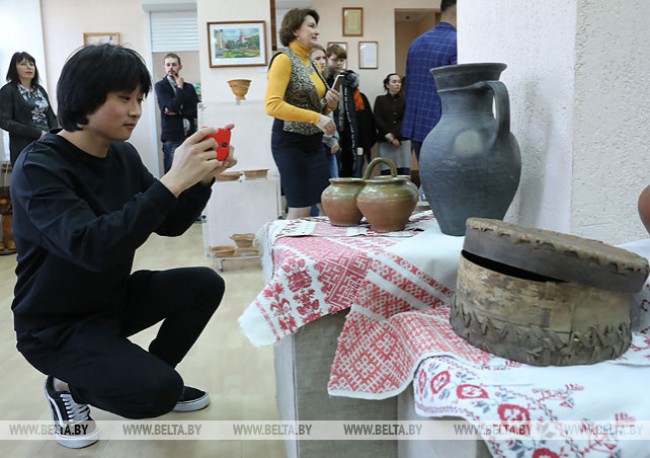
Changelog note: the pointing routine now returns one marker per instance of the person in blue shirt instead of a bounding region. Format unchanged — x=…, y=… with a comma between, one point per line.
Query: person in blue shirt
x=435, y=48
x=83, y=204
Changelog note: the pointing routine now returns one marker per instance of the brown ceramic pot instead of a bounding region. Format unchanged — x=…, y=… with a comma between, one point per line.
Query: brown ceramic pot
x=386, y=202
x=339, y=201
x=409, y=182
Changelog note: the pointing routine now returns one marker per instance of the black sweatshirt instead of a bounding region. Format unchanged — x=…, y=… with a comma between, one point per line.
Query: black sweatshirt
x=78, y=220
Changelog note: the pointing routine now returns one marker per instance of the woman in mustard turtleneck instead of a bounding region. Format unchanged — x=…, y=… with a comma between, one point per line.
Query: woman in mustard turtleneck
x=299, y=99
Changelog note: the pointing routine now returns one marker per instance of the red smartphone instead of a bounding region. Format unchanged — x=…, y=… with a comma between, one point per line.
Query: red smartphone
x=222, y=137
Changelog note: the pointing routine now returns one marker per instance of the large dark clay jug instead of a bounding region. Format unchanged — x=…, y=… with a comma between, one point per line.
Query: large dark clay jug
x=470, y=163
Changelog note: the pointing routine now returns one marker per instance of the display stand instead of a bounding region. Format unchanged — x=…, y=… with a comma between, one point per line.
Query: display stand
x=243, y=205
x=238, y=207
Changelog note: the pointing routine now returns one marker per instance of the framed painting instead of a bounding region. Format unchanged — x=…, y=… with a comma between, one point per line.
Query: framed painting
x=352, y=22
x=237, y=44
x=101, y=38
x=368, y=52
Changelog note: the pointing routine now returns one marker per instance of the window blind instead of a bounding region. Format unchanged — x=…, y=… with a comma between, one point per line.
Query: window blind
x=174, y=31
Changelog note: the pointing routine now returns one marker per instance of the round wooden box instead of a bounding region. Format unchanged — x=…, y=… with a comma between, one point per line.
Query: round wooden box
x=542, y=297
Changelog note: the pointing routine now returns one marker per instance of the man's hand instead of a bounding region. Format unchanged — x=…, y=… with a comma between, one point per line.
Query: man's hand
x=169, y=112
x=180, y=82
x=229, y=162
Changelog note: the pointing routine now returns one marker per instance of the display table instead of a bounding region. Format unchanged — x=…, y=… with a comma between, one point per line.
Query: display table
x=397, y=288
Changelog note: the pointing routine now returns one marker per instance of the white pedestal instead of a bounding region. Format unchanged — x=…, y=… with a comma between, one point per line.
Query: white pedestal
x=238, y=207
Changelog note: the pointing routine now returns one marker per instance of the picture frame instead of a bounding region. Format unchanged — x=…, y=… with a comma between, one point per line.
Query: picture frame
x=368, y=55
x=352, y=22
x=274, y=29
x=237, y=44
x=342, y=44
x=99, y=38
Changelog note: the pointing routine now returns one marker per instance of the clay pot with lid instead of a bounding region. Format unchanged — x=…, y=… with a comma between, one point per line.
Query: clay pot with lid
x=386, y=202
x=339, y=201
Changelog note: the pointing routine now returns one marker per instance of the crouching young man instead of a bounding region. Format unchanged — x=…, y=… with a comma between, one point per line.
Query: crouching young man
x=83, y=203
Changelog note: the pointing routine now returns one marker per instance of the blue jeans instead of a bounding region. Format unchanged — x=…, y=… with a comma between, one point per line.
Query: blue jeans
x=168, y=154
x=332, y=163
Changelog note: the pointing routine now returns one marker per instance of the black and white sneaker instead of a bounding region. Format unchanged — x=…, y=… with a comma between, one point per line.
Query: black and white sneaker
x=192, y=399
x=73, y=426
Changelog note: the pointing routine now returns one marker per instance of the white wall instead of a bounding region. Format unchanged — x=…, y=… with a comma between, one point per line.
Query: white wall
x=537, y=42
x=612, y=114
x=577, y=77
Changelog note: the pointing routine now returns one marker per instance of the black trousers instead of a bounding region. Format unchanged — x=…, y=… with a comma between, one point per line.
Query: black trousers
x=105, y=369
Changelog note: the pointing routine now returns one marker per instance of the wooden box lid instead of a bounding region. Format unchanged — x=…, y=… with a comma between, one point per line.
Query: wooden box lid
x=562, y=257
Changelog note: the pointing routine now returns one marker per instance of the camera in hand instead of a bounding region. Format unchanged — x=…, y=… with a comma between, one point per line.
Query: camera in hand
x=222, y=137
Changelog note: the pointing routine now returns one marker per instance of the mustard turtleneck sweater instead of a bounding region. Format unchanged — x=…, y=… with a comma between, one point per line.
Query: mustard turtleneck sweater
x=278, y=79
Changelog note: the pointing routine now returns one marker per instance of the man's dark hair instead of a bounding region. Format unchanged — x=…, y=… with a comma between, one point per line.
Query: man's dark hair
x=12, y=73
x=172, y=55
x=292, y=22
x=90, y=74
x=446, y=4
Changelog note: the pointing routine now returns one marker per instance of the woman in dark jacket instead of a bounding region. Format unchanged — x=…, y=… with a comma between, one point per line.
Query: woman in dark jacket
x=25, y=109
x=389, y=114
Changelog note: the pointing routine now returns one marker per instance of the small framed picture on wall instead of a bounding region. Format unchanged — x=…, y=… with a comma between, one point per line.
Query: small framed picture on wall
x=237, y=43
x=352, y=22
x=368, y=52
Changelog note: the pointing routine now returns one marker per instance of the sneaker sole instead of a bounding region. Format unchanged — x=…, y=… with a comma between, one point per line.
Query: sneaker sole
x=193, y=405
x=78, y=441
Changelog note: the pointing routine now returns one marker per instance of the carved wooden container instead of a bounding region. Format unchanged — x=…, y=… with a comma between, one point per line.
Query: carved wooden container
x=544, y=298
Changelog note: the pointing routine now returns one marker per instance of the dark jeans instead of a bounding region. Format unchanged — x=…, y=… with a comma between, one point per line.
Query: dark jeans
x=168, y=153
x=105, y=369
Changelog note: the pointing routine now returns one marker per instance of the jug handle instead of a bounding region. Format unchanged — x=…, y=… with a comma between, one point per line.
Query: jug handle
x=375, y=162
x=502, y=104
